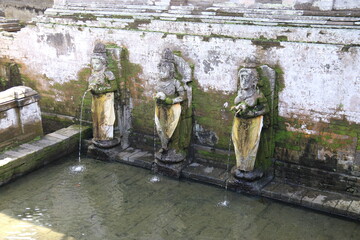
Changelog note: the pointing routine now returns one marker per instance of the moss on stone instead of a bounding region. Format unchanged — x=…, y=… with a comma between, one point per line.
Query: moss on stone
x=337, y=136
x=137, y=22
x=10, y=74
x=209, y=112
x=63, y=98
x=185, y=19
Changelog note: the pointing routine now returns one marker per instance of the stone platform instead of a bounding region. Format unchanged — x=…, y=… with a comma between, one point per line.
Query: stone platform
x=27, y=157
x=269, y=187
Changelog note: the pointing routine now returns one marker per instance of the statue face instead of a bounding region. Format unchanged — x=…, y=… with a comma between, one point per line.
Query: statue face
x=165, y=72
x=97, y=64
x=248, y=78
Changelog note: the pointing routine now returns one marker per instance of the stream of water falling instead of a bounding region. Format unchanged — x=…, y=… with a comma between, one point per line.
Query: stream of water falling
x=155, y=178
x=80, y=120
x=79, y=167
x=226, y=202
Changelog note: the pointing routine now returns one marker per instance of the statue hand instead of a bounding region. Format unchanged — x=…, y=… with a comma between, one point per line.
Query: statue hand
x=160, y=96
x=178, y=100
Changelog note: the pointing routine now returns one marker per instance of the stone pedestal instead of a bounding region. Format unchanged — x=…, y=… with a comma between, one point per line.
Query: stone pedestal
x=169, y=169
x=103, y=154
x=246, y=186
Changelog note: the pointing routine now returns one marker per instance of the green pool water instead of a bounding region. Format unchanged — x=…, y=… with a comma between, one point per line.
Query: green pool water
x=116, y=201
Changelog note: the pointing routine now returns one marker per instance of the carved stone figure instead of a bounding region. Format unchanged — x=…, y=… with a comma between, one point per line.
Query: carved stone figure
x=171, y=107
x=250, y=106
x=102, y=86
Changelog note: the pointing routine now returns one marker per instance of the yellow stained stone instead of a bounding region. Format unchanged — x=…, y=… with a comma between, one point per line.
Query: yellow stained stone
x=246, y=138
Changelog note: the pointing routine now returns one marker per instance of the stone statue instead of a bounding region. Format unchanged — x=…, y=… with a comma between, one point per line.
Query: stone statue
x=102, y=86
x=250, y=106
x=171, y=109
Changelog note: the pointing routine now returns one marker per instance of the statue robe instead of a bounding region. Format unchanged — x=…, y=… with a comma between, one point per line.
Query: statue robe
x=246, y=138
x=103, y=116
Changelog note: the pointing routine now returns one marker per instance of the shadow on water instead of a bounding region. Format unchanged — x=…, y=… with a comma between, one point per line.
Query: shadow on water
x=115, y=201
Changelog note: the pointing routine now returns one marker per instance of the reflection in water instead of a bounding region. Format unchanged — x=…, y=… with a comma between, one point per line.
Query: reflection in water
x=115, y=201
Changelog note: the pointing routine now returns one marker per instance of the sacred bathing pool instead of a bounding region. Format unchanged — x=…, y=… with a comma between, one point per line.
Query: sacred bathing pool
x=180, y=119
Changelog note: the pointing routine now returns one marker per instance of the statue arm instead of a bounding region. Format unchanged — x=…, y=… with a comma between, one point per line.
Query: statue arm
x=181, y=92
x=261, y=107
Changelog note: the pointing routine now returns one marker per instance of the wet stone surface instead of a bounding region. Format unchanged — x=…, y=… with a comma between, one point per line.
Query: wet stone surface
x=199, y=172
x=330, y=202
x=114, y=201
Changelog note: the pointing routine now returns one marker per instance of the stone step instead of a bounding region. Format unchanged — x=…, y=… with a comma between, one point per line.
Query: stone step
x=30, y=156
x=330, y=202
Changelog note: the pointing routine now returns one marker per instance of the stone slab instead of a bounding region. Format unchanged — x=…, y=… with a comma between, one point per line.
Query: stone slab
x=56, y=135
x=268, y=190
x=137, y=158
x=354, y=209
x=30, y=146
x=343, y=206
x=309, y=197
x=329, y=202
x=28, y=157
x=15, y=153
x=330, y=205
x=207, y=174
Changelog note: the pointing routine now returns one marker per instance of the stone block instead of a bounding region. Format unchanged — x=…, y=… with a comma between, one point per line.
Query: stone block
x=207, y=174
x=308, y=198
x=342, y=206
x=268, y=190
x=354, y=209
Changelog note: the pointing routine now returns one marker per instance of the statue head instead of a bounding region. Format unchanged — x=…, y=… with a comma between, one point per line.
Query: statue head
x=98, y=63
x=167, y=65
x=248, y=78
x=98, y=58
x=166, y=71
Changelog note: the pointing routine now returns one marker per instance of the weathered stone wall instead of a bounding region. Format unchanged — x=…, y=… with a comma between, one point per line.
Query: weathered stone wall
x=24, y=10
x=20, y=117
x=315, y=58
x=322, y=5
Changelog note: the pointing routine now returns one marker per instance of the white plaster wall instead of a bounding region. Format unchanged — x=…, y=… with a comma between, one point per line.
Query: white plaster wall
x=346, y=4
x=30, y=114
x=321, y=80
x=323, y=5
x=9, y=119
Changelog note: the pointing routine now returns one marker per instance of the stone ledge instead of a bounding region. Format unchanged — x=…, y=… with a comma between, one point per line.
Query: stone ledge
x=329, y=202
x=30, y=156
x=284, y=31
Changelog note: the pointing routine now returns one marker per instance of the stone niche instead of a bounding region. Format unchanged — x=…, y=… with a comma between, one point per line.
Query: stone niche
x=20, y=117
